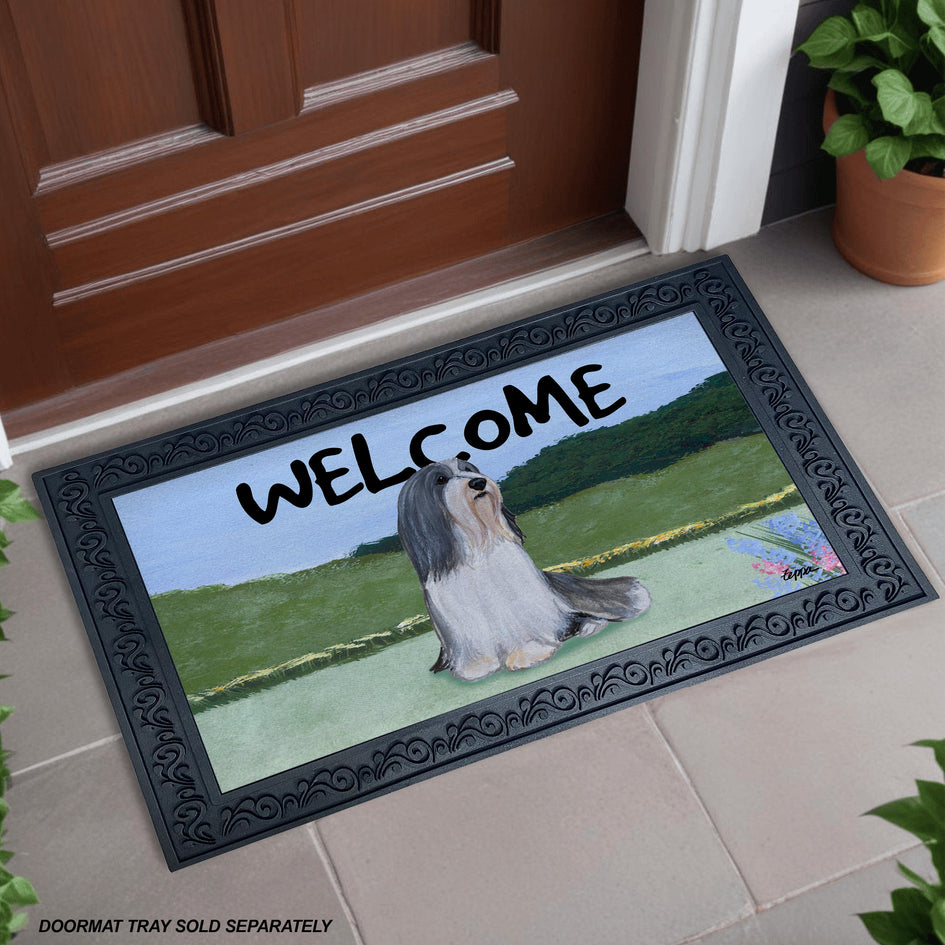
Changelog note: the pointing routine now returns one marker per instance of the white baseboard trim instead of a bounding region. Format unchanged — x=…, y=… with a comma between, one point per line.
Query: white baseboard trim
x=6, y=457
x=442, y=312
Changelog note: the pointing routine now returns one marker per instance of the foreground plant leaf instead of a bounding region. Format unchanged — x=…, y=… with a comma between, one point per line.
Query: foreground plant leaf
x=930, y=892
x=13, y=507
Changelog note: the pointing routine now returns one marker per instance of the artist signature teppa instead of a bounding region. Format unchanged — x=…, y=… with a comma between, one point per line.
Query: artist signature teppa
x=797, y=573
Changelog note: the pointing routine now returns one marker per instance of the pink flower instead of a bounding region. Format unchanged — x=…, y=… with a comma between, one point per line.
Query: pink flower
x=825, y=557
x=770, y=567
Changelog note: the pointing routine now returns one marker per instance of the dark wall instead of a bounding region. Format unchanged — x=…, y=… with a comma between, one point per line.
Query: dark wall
x=802, y=176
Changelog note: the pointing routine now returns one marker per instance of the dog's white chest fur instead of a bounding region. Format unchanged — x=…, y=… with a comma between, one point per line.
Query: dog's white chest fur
x=499, y=610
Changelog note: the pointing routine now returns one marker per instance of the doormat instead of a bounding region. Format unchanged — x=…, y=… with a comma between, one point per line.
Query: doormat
x=317, y=600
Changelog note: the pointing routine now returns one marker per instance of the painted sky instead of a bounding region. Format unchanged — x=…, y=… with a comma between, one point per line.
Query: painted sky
x=191, y=531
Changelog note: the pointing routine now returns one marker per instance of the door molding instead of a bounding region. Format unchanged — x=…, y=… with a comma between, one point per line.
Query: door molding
x=6, y=457
x=711, y=80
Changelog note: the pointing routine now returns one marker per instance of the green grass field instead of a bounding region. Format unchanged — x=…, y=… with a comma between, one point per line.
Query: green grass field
x=308, y=717
x=217, y=633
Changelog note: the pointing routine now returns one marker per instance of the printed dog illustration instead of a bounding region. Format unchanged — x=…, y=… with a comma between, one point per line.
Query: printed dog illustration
x=491, y=607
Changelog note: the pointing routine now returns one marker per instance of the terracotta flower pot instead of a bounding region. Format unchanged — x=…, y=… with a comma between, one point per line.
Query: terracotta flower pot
x=893, y=230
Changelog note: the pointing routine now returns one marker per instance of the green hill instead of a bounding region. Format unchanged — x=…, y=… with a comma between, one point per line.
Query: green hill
x=711, y=412
x=216, y=633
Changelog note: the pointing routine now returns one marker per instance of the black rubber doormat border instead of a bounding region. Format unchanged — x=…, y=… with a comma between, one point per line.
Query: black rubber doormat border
x=305, y=604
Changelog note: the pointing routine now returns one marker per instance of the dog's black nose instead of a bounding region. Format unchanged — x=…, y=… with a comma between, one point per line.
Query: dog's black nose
x=477, y=484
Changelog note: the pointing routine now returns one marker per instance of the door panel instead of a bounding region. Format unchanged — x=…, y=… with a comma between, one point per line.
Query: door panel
x=122, y=183
x=191, y=169
x=341, y=38
x=175, y=310
x=575, y=66
x=325, y=181
x=32, y=364
x=102, y=73
x=245, y=60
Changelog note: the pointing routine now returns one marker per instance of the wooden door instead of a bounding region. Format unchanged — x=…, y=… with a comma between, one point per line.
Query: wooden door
x=174, y=172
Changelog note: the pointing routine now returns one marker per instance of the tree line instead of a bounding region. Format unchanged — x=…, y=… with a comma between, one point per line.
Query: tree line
x=711, y=412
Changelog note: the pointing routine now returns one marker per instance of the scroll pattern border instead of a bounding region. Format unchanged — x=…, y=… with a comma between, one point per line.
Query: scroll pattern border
x=196, y=825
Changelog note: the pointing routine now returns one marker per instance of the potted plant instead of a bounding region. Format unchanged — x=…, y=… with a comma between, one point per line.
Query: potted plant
x=15, y=891
x=884, y=120
x=917, y=916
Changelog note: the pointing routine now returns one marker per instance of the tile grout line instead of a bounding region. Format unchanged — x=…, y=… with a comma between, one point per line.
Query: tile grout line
x=843, y=874
x=65, y=755
x=712, y=930
x=910, y=503
x=922, y=556
x=797, y=893
x=335, y=881
x=705, y=811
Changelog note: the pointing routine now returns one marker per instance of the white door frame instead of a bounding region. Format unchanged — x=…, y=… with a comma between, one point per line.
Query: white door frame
x=709, y=96
x=6, y=457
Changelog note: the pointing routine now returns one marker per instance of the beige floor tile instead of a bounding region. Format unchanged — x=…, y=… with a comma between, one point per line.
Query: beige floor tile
x=591, y=835
x=926, y=521
x=788, y=752
x=874, y=354
x=83, y=837
x=827, y=914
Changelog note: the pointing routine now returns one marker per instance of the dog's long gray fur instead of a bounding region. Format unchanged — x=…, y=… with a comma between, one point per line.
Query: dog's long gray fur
x=490, y=606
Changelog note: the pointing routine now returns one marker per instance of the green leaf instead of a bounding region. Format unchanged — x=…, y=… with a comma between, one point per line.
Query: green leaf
x=888, y=155
x=867, y=20
x=894, y=93
x=5, y=712
x=927, y=146
x=885, y=928
x=929, y=891
x=831, y=44
x=844, y=83
x=19, y=892
x=936, y=744
x=909, y=814
x=847, y=134
x=934, y=39
x=890, y=9
x=932, y=796
x=938, y=919
x=931, y=12
x=938, y=859
x=902, y=42
x=912, y=912
x=861, y=62
x=18, y=921
x=13, y=507
x=923, y=117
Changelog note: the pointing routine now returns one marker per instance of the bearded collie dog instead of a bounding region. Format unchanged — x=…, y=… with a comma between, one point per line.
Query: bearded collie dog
x=490, y=606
